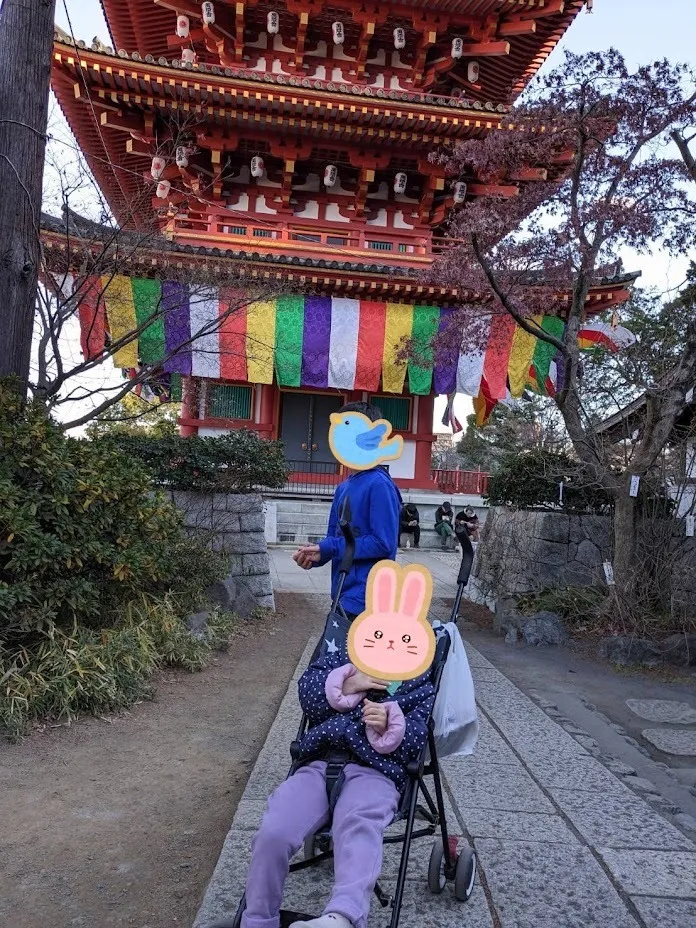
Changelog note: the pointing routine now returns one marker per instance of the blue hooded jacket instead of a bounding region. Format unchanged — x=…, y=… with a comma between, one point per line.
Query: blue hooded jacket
x=345, y=731
x=375, y=505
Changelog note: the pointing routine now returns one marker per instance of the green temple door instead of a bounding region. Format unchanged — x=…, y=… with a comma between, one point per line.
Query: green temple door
x=304, y=430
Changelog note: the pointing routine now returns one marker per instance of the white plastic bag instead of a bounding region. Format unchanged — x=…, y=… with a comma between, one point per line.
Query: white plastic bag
x=454, y=714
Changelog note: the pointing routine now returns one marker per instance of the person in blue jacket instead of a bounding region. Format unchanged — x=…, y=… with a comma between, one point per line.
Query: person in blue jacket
x=379, y=739
x=375, y=506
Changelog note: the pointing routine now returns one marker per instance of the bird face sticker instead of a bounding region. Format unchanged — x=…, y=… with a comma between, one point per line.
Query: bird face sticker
x=359, y=443
x=392, y=639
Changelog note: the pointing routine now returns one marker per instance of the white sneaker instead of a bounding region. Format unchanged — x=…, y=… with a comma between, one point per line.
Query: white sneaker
x=330, y=920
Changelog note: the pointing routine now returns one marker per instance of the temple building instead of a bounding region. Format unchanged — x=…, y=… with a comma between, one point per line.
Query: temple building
x=294, y=136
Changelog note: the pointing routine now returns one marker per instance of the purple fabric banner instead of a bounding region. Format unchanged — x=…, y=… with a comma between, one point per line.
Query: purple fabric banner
x=316, y=341
x=177, y=326
x=446, y=359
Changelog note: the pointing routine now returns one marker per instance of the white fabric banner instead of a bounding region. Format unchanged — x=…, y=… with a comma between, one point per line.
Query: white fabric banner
x=471, y=360
x=205, y=351
x=343, y=348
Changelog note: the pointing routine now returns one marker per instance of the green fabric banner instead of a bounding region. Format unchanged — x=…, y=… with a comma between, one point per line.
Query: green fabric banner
x=147, y=296
x=288, y=348
x=426, y=321
x=544, y=353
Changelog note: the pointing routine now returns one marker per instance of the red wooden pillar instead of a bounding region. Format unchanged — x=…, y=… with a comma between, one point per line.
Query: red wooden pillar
x=424, y=442
x=189, y=411
x=266, y=424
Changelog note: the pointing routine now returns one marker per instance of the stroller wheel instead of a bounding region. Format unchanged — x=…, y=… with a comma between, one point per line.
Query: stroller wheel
x=436, y=868
x=465, y=875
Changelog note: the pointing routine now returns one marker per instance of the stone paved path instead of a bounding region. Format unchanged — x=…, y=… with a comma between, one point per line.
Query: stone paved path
x=561, y=841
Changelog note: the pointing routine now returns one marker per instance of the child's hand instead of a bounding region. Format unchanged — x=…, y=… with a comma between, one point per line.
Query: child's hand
x=361, y=683
x=375, y=716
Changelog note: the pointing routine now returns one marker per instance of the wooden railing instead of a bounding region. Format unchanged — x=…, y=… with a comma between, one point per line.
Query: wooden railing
x=370, y=244
x=451, y=482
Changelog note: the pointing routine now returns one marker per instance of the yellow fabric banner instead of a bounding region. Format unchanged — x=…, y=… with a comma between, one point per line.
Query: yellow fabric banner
x=260, y=341
x=521, y=354
x=121, y=318
x=399, y=325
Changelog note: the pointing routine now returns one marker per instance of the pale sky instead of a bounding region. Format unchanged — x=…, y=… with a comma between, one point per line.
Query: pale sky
x=642, y=30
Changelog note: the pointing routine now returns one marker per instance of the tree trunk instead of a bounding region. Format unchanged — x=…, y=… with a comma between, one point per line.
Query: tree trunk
x=624, y=540
x=26, y=44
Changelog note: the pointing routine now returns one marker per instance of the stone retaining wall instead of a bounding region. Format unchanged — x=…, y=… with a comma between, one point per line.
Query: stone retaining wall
x=235, y=525
x=523, y=551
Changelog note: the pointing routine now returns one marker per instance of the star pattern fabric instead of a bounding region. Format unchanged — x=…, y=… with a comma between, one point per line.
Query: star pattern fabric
x=345, y=731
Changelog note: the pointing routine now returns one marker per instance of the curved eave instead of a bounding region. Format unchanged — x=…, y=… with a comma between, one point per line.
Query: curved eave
x=65, y=251
x=143, y=27
x=90, y=84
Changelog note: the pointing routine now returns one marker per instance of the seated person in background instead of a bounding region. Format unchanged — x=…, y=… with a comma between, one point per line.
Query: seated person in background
x=409, y=523
x=467, y=521
x=444, y=517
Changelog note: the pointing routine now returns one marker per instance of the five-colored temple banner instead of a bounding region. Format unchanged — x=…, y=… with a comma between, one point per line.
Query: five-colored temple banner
x=322, y=342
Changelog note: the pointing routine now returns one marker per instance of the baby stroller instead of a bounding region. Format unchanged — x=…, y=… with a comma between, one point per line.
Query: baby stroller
x=447, y=862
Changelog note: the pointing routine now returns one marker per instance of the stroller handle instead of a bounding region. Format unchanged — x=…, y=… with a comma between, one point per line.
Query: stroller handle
x=347, y=532
x=467, y=560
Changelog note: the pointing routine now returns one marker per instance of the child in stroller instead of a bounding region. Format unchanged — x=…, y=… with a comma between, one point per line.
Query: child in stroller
x=378, y=740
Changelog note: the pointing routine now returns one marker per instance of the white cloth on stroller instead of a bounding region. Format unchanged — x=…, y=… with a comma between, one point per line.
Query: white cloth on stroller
x=454, y=715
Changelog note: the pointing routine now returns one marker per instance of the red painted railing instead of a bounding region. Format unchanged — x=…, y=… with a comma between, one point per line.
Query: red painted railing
x=473, y=482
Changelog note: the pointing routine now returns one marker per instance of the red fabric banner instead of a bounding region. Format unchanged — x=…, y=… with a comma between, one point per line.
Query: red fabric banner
x=88, y=293
x=233, y=362
x=495, y=367
x=368, y=369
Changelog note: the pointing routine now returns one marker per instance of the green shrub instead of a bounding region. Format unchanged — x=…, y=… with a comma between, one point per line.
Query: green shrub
x=532, y=479
x=81, y=532
x=96, y=573
x=579, y=607
x=238, y=462
x=87, y=670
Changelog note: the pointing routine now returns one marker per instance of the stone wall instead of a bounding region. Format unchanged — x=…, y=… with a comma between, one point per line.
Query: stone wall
x=525, y=551
x=235, y=525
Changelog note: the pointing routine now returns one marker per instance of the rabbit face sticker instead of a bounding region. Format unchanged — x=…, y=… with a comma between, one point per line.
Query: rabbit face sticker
x=392, y=639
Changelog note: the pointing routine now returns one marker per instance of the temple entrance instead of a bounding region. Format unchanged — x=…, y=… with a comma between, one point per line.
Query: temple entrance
x=304, y=429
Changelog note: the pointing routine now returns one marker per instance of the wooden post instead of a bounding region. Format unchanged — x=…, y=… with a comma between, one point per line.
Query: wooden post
x=26, y=46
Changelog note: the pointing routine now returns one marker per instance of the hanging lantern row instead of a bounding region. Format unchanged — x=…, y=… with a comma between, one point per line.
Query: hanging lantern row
x=183, y=30
x=163, y=189
x=188, y=56
x=459, y=192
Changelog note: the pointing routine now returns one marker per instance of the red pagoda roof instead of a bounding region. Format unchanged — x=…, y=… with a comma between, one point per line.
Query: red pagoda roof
x=510, y=39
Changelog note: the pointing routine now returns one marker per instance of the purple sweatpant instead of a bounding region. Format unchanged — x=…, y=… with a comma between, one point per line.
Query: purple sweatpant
x=299, y=807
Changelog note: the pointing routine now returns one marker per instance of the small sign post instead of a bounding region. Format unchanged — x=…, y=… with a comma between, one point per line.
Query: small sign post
x=635, y=483
x=609, y=573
